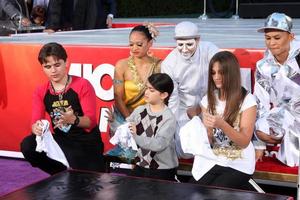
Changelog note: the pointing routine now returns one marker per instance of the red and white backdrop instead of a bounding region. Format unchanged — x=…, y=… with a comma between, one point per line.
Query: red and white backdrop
x=20, y=73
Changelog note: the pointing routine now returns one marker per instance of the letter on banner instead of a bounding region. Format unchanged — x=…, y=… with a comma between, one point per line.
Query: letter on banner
x=95, y=76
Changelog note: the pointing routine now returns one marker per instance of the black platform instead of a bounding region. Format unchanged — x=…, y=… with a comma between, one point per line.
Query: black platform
x=73, y=185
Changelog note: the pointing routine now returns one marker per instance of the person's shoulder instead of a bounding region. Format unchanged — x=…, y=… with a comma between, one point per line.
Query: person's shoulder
x=157, y=64
x=168, y=111
x=249, y=101
x=77, y=79
x=42, y=86
x=156, y=60
x=122, y=62
x=41, y=89
x=169, y=116
x=295, y=44
x=250, y=97
x=140, y=108
x=121, y=65
x=171, y=57
x=260, y=62
x=263, y=61
x=80, y=82
x=207, y=45
x=174, y=53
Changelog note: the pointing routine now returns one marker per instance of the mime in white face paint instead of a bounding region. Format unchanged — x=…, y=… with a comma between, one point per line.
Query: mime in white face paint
x=187, y=65
x=187, y=38
x=187, y=47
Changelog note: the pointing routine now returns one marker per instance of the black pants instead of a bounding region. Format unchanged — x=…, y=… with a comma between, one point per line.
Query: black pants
x=82, y=155
x=225, y=177
x=163, y=174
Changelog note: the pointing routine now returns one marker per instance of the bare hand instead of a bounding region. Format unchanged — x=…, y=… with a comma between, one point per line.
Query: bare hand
x=109, y=115
x=25, y=22
x=109, y=22
x=132, y=128
x=193, y=111
x=37, y=128
x=67, y=117
x=259, y=153
x=270, y=139
x=212, y=121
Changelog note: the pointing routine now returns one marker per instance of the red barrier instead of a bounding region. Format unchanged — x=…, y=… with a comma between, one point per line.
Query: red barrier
x=20, y=73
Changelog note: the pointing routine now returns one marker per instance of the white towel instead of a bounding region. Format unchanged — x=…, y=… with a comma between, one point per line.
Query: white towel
x=46, y=143
x=288, y=152
x=123, y=137
x=194, y=140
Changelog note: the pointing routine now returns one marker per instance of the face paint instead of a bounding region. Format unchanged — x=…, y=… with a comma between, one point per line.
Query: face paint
x=187, y=48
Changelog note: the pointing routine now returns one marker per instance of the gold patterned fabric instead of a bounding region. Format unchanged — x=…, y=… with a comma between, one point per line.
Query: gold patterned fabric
x=227, y=148
x=131, y=91
x=231, y=152
x=134, y=89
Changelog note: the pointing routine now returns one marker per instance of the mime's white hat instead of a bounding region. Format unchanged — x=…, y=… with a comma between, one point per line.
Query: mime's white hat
x=186, y=30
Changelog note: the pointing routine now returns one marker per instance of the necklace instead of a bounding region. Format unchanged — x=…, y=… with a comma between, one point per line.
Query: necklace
x=136, y=78
x=60, y=95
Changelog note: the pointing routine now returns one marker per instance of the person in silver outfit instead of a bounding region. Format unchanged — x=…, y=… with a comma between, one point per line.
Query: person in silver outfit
x=277, y=89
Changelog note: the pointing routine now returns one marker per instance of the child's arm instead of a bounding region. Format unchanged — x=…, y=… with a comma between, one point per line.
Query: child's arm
x=242, y=137
x=193, y=111
x=162, y=139
x=209, y=129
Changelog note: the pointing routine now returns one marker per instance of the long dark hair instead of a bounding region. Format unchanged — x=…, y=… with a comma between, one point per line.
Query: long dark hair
x=233, y=91
x=163, y=83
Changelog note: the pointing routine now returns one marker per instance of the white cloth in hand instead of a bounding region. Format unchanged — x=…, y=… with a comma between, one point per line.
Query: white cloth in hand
x=46, y=143
x=194, y=140
x=123, y=137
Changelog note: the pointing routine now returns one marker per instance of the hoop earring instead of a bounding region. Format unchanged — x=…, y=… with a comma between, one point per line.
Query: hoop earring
x=150, y=53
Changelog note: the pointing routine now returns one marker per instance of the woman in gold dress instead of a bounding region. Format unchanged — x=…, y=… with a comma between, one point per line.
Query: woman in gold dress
x=131, y=73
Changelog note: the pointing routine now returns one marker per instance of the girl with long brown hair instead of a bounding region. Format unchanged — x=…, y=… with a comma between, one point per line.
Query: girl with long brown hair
x=228, y=114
